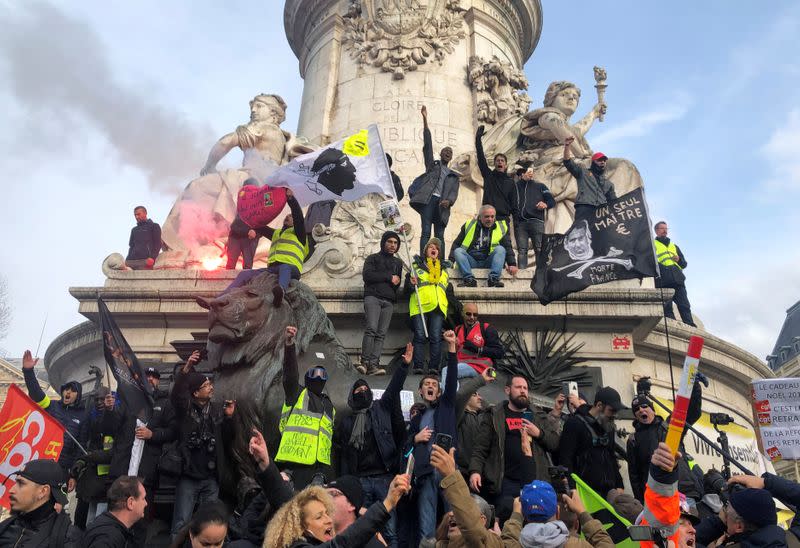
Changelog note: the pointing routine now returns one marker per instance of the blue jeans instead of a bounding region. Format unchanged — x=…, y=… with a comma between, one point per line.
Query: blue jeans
x=495, y=262
x=431, y=215
x=465, y=371
x=190, y=492
x=284, y=272
x=428, y=493
x=375, y=489
x=435, y=319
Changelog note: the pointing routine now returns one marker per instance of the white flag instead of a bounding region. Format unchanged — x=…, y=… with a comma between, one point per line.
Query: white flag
x=344, y=171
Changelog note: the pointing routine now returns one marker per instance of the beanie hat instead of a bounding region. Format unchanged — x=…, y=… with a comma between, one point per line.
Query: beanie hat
x=755, y=506
x=194, y=380
x=434, y=241
x=350, y=486
x=539, y=501
x=389, y=234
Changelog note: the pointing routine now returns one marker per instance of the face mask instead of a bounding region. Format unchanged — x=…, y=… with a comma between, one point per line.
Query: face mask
x=362, y=400
x=315, y=386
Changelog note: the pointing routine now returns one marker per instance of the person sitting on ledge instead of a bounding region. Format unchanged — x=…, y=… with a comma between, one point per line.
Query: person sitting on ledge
x=145, y=242
x=482, y=243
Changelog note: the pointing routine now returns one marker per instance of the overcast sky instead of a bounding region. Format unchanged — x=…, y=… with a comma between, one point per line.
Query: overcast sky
x=106, y=105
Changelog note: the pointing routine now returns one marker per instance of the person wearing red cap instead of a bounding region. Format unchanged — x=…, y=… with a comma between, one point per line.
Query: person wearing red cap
x=594, y=188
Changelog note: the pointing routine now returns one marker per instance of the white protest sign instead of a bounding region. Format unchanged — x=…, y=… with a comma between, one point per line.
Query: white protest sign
x=777, y=407
x=406, y=400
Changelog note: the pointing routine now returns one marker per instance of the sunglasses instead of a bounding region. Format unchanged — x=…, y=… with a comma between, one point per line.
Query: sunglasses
x=641, y=406
x=317, y=373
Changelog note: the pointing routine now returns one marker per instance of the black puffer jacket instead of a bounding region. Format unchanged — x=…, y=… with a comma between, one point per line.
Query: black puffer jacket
x=378, y=271
x=41, y=528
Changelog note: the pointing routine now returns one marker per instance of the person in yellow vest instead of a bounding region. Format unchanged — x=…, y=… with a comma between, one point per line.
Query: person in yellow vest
x=429, y=275
x=671, y=263
x=289, y=250
x=306, y=423
x=484, y=243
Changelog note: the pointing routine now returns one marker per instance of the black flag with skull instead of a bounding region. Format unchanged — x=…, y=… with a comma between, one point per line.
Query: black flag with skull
x=612, y=242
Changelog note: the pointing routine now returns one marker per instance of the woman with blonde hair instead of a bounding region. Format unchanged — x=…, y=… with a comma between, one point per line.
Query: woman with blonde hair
x=307, y=520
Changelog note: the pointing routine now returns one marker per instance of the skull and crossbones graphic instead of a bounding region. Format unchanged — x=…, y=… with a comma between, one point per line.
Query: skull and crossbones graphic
x=578, y=243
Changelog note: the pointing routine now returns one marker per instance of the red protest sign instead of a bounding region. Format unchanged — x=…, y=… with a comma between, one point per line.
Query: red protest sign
x=27, y=433
x=258, y=205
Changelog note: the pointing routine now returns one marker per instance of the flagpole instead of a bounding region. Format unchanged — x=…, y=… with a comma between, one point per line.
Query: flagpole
x=41, y=335
x=404, y=232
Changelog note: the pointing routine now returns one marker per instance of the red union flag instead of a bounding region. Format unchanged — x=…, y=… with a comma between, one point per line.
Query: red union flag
x=27, y=433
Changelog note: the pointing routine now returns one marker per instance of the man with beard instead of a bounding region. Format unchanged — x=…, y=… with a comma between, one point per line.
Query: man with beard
x=478, y=344
x=594, y=189
x=498, y=467
x=306, y=423
x=370, y=441
x=587, y=442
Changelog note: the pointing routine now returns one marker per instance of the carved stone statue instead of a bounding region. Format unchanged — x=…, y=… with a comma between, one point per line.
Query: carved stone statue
x=197, y=226
x=497, y=85
x=399, y=35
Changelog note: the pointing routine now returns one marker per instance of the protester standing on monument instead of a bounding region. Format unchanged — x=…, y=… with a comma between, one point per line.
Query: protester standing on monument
x=498, y=185
x=429, y=276
x=398, y=186
x=126, y=506
x=204, y=430
x=588, y=440
x=382, y=275
x=478, y=344
x=594, y=188
x=484, y=243
x=34, y=522
x=671, y=263
x=498, y=467
x=433, y=193
x=242, y=240
x=533, y=200
x=69, y=411
x=145, y=242
x=307, y=417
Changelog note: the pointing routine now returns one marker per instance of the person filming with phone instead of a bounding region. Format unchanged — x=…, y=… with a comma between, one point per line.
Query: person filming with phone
x=499, y=466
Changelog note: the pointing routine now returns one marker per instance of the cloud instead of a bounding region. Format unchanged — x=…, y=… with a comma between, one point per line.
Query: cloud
x=674, y=109
x=60, y=77
x=748, y=307
x=780, y=153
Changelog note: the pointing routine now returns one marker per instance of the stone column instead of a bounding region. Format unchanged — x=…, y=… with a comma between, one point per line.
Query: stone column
x=379, y=61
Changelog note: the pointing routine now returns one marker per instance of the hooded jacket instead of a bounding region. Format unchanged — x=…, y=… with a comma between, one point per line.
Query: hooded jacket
x=73, y=417
x=378, y=271
x=145, y=241
x=593, y=531
x=386, y=425
x=594, y=188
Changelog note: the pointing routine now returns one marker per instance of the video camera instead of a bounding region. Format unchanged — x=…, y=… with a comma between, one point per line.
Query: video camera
x=643, y=386
x=720, y=419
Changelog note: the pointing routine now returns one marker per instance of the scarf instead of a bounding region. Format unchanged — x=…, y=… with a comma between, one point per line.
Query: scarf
x=434, y=270
x=360, y=404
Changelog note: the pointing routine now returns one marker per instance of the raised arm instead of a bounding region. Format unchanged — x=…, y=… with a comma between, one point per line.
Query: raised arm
x=297, y=217
x=291, y=375
x=482, y=164
x=31, y=382
x=218, y=152
x=427, y=141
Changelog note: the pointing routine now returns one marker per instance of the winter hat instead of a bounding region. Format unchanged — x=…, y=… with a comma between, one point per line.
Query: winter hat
x=194, y=380
x=350, y=486
x=389, y=234
x=434, y=241
x=755, y=506
x=539, y=501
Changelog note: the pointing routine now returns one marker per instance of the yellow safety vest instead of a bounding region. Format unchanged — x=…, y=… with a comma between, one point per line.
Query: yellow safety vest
x=104, y=469
x=286, y=248
x=500, y=230
x=664, y=253
x=306, y=437
x=432, y=296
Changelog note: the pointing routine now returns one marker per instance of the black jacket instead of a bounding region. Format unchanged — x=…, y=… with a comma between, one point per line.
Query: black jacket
x=388, y=427
x=769, y=536
x=421, y=190
x=589, y=453
x=788, y=492
x=106, y=531
x=505, y=242
x=90, y=485
x=145, y=241
x=528, y=194
x=74, y=417
x=593, y=188
x=378, y=271
x=41, y=528
x=498, y=187
x=360, y=534
x=239, y=229
x=672, y=276
x=488, y=456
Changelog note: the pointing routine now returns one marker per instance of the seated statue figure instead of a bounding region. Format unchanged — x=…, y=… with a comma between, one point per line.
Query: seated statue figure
x=538, y=138
x=197, y=226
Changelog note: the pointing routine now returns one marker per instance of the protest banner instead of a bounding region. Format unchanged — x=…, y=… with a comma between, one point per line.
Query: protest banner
x=777, y=408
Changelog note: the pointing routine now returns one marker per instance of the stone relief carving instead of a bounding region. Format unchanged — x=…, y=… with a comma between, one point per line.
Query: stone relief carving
x=498, y=85
x=399, y=35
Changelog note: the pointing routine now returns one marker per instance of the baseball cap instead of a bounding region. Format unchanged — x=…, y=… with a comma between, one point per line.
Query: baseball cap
x=539, y=501
x=46, y=472
x=152, y=372
x=598, y=156
x=350, y=486
x=609, y=396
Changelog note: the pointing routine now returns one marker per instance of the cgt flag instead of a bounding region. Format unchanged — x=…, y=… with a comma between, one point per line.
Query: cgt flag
x=27, y=433
x=344, y=171
x=132, y=386
x=615, y=525
x=609, y=243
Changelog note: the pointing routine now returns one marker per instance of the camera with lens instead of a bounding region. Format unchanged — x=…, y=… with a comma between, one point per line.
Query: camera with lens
x=558, y=479
x=720, y=419
x=643, y=386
